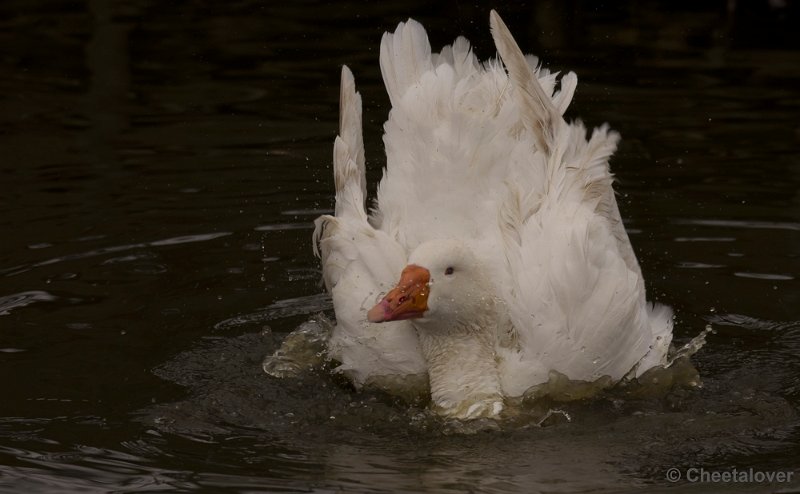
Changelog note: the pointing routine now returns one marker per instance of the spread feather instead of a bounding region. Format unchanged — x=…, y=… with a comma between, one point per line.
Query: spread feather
x=480, y=154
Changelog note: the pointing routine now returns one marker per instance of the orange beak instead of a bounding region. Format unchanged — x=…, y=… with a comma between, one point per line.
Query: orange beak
x=408, y=300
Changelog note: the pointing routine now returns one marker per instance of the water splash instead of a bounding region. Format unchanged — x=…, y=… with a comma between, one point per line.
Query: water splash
x=690, y=348
x=304, y=349
x=561, y=388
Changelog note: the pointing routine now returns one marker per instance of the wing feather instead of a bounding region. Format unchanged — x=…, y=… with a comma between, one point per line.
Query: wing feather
x=483, y=153
x=359, y=263
x=538, y=110
x=575, y=295
x=405, y=56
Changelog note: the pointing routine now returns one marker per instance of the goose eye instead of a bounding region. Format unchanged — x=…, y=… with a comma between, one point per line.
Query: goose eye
x=449, y=270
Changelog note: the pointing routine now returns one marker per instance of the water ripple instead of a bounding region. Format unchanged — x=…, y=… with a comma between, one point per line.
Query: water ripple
x=17, y=300
x=184, y=239
x=764, y=276
x=698, y=265
x=749, y=322
x=704, y=239
x=746, y=224
x=283, y=308
x=284, y=226
x=89, y=469
x=306, y=212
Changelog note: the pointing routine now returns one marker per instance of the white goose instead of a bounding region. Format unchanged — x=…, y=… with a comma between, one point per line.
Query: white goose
x=500, y=221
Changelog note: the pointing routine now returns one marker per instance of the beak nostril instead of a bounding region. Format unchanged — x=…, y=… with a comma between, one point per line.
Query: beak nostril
x=407, y=300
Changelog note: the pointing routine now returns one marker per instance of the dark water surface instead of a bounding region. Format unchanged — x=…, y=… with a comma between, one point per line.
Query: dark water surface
x=162, y=162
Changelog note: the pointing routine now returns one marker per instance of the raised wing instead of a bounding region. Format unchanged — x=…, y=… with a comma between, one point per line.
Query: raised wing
x=447, y=158
x=359, y=263
x=576, y=297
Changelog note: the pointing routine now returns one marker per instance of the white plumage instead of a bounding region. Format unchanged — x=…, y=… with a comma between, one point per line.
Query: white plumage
x=508, y=212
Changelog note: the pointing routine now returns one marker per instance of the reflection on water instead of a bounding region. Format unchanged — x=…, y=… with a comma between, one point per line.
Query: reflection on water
x=161, y=166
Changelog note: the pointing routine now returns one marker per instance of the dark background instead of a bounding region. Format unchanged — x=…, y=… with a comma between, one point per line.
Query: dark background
x=161, y=163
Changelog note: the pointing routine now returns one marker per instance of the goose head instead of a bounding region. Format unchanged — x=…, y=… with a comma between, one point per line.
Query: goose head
x=444, y=284
x=447, y=294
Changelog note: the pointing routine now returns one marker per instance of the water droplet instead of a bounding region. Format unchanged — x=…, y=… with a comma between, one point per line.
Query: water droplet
x=79, y=325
